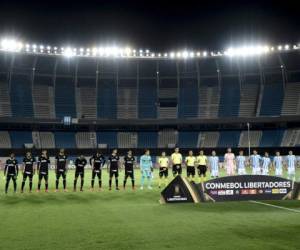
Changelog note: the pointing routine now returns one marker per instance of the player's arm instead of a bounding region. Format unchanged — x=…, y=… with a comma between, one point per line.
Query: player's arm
x=108, y=165
x=5, y=168
x=17, y=168
x=141, y=163
x=103, y=160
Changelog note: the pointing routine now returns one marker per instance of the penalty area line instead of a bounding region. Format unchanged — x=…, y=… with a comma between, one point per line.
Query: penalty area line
x=275, y=206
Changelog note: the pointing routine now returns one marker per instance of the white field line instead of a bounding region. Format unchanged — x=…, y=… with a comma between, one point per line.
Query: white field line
x=275, y=206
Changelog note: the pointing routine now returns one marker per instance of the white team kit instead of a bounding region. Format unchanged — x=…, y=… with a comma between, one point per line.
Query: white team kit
x=241, y=164
x=291, y=161
x=266, y=162
x=255, y=163
x=278, y=164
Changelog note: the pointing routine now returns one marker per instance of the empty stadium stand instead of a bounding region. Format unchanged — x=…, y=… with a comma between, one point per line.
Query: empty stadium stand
x=5, y=105
x=208, y=139
x=291, y=100
x=228, y=139
x=209, y=98
x=272, y=99
x=167, y=137
x=254, y=137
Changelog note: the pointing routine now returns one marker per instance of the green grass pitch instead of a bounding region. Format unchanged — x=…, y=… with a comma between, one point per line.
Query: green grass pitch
x=135, y=220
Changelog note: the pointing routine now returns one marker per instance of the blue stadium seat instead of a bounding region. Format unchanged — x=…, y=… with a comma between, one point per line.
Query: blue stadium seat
x=271, y=138
x=19, y=138
x=188, y=98
x=65, y=104
x=229, y=139
x=147, y=99
x=107, y=99
x=272, y=99
x=21, y=96
x=108, y=137
x=230, y=97
x=65, y=140
x=147, y=139
x=187, y=139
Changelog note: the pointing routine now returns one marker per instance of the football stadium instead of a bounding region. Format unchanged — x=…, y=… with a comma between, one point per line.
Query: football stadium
x=119, y=147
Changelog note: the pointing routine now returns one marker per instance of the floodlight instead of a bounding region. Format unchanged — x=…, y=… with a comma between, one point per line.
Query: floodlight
x=68, y=52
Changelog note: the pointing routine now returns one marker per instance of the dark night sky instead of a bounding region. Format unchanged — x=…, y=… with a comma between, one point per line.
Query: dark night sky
x=151, y=24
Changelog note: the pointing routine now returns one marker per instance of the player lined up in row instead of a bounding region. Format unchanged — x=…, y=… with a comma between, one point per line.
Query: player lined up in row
x=201, y=162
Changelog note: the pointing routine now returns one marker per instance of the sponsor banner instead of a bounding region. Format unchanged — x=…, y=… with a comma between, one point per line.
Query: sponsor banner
x=247, y=187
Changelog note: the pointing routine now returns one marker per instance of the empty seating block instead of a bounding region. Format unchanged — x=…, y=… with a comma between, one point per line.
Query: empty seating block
x=5, y=107
x=208, y=139
x=272, y=99
x=21, y=96
x=291, y=100
x=108, y=137
x=107, y=99
x=291, y=138
x=147, y=98
x=127, y=99
x=65, y=140
x=248, y=99
x=65, y=97
x=86, y=103
x=209, y=98
x=166, y=137
x=147, y=139
x=187, y=139
x=5, y=140
x=43, y=97
x=188, y=98
x=19, y=138
x=230, y=97
x=254, y=136
x=47, y=140
x=229, y=139
x=127, y=140
x=86, y=140
x=271, y=138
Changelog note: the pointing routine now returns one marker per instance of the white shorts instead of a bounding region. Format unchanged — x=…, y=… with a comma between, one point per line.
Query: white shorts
x=241, y=171
x=265, y=171
x=291, y=171
x=278, y=171
x=214, y=172
x=256, y=170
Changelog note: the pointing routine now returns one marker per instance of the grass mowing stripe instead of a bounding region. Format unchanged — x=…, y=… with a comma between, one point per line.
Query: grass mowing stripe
x=275, y=206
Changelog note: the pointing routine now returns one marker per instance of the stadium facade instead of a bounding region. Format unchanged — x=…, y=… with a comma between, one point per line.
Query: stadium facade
x=82, y=103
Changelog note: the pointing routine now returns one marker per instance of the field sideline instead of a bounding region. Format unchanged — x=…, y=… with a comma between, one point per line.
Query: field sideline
x=135, y=220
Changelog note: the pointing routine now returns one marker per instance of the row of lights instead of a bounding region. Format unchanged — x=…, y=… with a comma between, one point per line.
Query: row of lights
x=245, y=51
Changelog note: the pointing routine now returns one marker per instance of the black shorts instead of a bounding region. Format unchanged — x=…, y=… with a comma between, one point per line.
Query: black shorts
x=11, y=176
x=190, y=171
x=96, y=172
x=163, y=172
x=43, y=176
x=113, y=172
x=81, y=173
x=61, y=174
x=27, y=174
x=177, y=169
x=202, y=170
x=129, y=173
